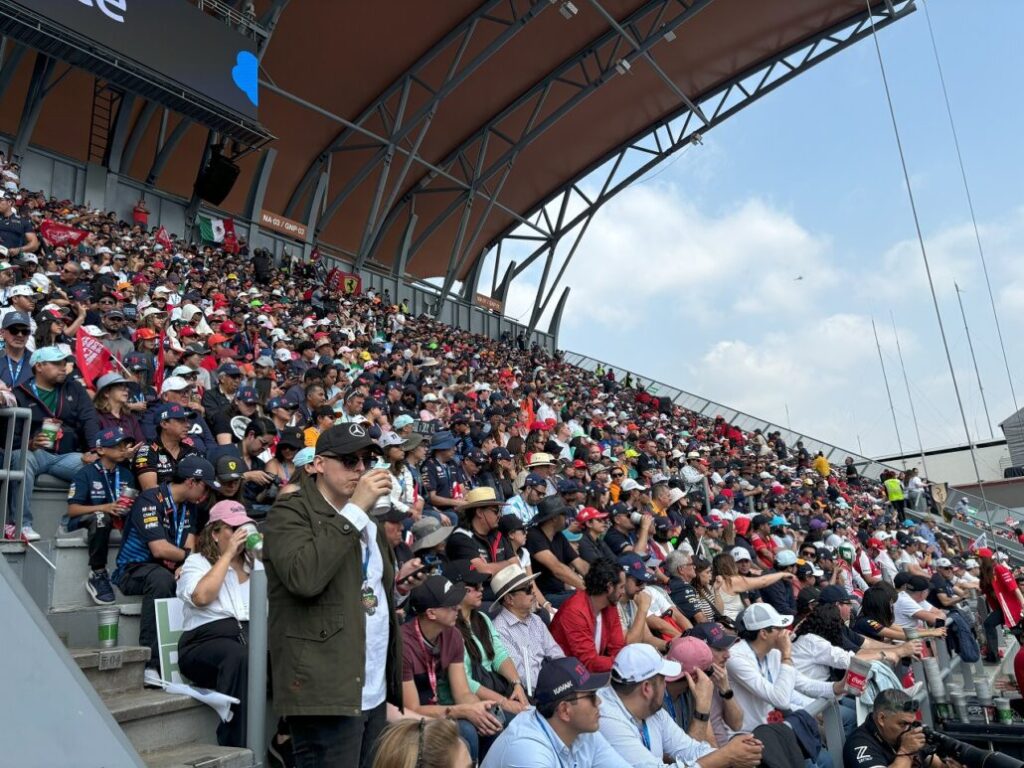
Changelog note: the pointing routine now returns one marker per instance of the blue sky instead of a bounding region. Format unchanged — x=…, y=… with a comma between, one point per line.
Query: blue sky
x=690, y=276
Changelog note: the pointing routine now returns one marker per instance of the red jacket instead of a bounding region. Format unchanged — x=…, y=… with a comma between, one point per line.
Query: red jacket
x=573, y=629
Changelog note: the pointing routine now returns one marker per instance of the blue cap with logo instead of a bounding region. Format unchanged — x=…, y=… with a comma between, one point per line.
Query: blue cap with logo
x=197, y=468
x=175, y=411
x=16, y=318
x=247, y=395
x=110, y=438
x=563, y=678
x=634, y=566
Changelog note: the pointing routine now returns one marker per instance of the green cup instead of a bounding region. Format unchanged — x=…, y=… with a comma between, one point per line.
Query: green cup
x=108, y=618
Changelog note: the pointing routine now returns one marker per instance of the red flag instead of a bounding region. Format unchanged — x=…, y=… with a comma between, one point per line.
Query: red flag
x=158, y=377
x=164, y=239
x=230, y=242
x=92, y=357
x=61, y=234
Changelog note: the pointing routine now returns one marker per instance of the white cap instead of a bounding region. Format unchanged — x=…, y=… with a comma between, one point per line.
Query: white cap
x=761, y=616
x=174, y=384
x=183, y=370
x=970, y=563
x=632, y=485
x=430, y=397
x=766, y=476
x=284, y=355
x=94, y=330
x=638, y=662
x=740, y=553
x=943, y=562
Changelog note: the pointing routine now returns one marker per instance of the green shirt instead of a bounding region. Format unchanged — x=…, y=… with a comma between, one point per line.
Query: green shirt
x=444, y=691
x=48, y=397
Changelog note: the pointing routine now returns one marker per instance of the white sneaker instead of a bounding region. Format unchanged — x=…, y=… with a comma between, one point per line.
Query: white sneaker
x=151, y=678
x=28, y=534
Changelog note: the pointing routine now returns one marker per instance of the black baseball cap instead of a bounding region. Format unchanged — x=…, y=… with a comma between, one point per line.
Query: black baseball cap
x=344, y=439
x=509, y=523
x=917, y=583
x=390, y=515
x=229, y=468
x=835, y=593
x=436, y=592
x=562, y=678
x=464, y=572
x=197, y=468
x=714, y=634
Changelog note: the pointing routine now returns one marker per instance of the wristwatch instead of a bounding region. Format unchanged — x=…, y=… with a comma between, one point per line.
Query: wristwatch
x=727, y=694
x=701, y=716
x=517, y=682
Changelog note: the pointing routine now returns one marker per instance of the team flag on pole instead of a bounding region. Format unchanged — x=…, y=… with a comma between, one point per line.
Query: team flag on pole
x=92, y=357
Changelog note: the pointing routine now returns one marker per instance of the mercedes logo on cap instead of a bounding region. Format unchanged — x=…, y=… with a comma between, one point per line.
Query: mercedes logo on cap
x=356, y=431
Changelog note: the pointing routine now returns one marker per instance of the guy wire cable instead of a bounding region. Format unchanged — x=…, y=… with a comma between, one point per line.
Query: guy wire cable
x=910, y=398
x=888, y=392
x=974, y=220
x=924, y=251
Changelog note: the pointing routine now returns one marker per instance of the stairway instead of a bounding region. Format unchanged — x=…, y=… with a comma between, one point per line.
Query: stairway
x=168, y=730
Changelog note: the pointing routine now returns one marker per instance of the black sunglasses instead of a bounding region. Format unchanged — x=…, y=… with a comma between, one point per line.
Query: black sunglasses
x=19, y=331
x=353, y=460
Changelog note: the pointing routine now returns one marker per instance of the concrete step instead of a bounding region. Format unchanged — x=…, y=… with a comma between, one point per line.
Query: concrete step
x=112, y=670
x=14, y=553
x=200, y=756
x=79, y=627
x=153, y=719
x=49, y=504
x=70, y=555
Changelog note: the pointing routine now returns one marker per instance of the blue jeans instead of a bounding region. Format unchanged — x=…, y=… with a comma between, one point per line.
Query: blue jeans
x=41, y=462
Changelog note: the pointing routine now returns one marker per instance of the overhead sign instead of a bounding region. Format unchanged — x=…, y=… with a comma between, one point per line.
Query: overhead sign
x=488, y=302
x=172, y=39
x=284, y=225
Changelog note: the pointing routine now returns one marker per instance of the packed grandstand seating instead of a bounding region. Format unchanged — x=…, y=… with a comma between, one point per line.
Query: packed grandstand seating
x=181, y=382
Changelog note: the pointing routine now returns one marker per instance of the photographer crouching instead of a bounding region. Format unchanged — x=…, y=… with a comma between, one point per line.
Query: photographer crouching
x=892, y=736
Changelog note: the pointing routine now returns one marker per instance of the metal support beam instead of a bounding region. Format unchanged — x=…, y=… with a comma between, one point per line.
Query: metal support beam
x=119, y=136
x=435, y=170
x=402, y=256
x=165, y=152
x=650, y=60
x=138, y=131
x=455, y=44
x=576, y=79
x=258, y=190
x=10, y=65
x=656, y=144
x=34, y=98
x=469, y=285
x=556, y=317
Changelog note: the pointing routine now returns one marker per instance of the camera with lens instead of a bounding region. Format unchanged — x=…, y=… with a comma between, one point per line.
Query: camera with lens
x=967, y=755
x=270, y=492
x=636, y=518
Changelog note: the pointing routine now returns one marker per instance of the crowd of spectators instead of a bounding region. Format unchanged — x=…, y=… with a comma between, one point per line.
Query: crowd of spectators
x=550, y=562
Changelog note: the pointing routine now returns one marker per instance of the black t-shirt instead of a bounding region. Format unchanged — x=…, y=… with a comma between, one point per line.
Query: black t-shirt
x=869, y=628
x=684, y=596
x=465, y=544
x=560, y=547
x=617, y=541
x=13, y=229
x=154, y=457
x=591, y=550
x=866, y=749
x=852, y=640
x=939, y=585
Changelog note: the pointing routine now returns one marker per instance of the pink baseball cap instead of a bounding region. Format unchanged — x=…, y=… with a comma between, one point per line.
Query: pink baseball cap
x=691, y=653
x=231, y=513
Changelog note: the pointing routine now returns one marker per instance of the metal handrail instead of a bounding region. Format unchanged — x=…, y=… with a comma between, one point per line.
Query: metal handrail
x=256, y=695
x=10, y=417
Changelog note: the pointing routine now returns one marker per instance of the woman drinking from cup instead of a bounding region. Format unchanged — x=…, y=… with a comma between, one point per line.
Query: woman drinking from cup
x=214, y=586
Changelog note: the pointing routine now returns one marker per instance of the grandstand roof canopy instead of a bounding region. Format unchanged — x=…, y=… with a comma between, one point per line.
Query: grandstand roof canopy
x=476, y=88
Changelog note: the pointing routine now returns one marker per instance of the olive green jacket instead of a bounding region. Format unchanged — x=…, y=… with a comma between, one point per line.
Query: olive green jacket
x=317, y=624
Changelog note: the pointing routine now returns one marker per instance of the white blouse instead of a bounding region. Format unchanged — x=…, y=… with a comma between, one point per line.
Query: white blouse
x=232, y=602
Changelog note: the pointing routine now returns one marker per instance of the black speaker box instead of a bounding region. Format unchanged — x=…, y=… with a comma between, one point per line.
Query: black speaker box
x=216, y=180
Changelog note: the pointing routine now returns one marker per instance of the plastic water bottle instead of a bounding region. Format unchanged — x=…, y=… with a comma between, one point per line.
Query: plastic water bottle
x=254, y=539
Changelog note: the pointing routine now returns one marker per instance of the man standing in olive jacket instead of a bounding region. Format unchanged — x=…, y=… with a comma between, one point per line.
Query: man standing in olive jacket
x=335, y=650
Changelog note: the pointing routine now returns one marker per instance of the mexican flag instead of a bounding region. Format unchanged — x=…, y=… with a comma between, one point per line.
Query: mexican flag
x=216, y=230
